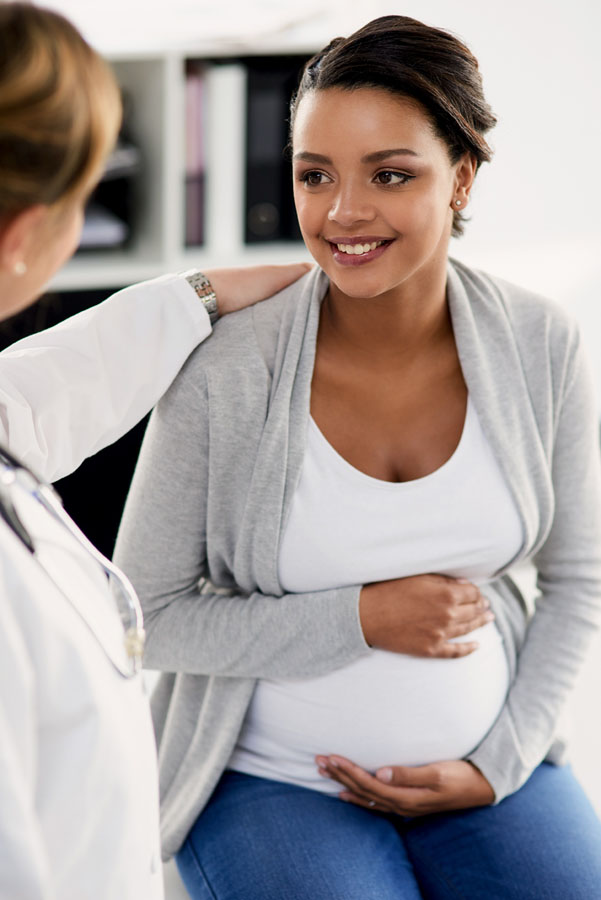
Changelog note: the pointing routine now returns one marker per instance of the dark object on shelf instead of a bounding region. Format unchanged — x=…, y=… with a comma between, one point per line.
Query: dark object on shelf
x=102, y=229
x=195, y=202
x=110, y=213
x=270, y=213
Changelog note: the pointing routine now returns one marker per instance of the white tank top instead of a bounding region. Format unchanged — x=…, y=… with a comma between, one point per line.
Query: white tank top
x=348, y=528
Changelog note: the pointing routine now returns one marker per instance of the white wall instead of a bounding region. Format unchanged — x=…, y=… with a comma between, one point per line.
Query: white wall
x=536, y=210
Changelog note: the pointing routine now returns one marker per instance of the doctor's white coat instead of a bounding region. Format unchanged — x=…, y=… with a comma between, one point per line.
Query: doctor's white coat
x=78, y=782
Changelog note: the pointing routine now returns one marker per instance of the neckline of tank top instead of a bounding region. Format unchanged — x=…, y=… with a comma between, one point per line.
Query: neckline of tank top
x=343, y=467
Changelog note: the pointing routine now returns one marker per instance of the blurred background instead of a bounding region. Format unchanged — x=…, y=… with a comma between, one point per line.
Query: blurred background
x=199, y=178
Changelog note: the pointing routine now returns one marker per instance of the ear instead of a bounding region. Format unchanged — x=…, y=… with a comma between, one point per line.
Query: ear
x=465, y=172
x=19, y=234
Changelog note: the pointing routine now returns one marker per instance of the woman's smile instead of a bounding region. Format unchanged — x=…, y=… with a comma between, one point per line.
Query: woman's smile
x=357, y=251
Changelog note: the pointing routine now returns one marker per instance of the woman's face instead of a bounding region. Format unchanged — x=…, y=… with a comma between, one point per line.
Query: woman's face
x=374, y=189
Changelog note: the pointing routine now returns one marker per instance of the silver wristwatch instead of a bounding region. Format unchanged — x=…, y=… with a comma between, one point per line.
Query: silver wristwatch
x=204, y=291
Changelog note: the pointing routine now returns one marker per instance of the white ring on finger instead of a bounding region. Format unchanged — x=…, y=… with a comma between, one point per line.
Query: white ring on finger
x=371, y=803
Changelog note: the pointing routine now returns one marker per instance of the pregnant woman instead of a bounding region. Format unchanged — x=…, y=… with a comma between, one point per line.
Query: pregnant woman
x=326, y=559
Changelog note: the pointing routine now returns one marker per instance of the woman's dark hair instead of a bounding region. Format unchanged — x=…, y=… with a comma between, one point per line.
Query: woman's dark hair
x=410, y=59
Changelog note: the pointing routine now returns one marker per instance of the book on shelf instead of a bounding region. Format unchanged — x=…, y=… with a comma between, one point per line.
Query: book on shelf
x=195, y=153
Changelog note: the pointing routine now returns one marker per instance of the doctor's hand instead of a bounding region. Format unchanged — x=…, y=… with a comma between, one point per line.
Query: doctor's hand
x=237, y=288
x=409, y=790
x=419, y=615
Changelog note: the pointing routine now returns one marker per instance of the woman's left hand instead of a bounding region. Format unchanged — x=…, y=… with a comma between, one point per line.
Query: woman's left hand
x=410, y=790
x=237, y=288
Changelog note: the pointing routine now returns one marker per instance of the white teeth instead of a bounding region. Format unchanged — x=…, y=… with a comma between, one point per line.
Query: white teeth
x=358, y=249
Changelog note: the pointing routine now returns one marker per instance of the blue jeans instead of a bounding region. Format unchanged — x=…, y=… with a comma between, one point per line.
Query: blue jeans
x=265, y=840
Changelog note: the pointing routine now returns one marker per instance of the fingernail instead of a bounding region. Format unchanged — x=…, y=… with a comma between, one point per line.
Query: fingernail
x=334, y=762
x=384, y=774
x=321, y=760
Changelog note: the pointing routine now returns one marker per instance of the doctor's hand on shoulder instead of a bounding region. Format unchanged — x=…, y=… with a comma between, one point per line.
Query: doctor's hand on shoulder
x=236, y=288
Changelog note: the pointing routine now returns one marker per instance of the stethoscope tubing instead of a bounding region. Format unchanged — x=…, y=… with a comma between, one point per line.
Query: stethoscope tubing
x=14, y=474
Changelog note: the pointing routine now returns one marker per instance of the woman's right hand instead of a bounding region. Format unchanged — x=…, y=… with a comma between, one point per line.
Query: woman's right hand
x=419, y=615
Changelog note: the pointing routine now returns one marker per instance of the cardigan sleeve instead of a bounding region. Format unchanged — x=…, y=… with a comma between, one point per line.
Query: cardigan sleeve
x=162, y=546
x=69, y=391
x=569, y=605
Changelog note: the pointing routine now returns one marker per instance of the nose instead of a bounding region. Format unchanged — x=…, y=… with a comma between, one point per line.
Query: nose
x=350, y=204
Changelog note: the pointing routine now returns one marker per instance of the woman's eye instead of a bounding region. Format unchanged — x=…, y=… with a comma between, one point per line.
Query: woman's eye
x=393, y=178
x=313, y=179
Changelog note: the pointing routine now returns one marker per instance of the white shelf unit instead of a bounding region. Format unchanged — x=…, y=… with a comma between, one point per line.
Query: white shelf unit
x=155, y=88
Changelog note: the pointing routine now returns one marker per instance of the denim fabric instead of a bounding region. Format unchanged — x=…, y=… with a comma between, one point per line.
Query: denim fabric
x=265, y=840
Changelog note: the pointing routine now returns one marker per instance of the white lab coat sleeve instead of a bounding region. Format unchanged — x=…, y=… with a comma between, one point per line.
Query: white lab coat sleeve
x=24, y=861
x=69, y=391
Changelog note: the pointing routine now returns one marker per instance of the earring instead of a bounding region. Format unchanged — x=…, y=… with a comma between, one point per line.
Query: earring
x=457, y=202
x=20, y=268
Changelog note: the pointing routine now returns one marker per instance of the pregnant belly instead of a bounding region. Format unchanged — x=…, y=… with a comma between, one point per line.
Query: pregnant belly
x=383, y=709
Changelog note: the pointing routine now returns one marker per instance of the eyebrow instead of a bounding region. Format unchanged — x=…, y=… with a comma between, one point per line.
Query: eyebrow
x=378, y=156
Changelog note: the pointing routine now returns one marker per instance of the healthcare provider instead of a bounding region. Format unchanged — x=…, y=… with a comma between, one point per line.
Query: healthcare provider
x=78, y=782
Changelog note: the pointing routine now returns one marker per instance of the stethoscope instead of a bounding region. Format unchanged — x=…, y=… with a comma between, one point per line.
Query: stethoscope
x=14, y=476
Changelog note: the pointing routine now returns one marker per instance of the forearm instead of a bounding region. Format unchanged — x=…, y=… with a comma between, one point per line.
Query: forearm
x=569, y=608
x=548, y=667
x=67, y=392
x=290, y=637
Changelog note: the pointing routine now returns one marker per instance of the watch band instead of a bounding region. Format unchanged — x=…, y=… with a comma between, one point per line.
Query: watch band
x=204, y=291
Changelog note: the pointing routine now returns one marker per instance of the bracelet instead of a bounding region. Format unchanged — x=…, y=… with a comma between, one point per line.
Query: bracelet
x=204, y=291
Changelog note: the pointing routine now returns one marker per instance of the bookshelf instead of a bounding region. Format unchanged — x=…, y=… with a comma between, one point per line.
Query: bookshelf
x=154, y=89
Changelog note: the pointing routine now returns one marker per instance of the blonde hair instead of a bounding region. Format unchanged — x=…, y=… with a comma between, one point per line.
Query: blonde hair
x=60, y=110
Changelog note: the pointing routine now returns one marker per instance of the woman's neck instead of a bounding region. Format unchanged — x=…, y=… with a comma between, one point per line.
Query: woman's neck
x=389, y=327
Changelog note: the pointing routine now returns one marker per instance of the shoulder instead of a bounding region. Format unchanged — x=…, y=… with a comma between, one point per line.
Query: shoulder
x=236, y=363
x=245, y=343
x=539, y=323
x=243, y=338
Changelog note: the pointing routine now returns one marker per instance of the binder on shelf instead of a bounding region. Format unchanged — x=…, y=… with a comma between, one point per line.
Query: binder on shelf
x=269, y=202
x=195, y=154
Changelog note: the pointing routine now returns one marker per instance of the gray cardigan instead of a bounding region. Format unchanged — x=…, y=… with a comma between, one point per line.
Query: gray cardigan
x=213, y=487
